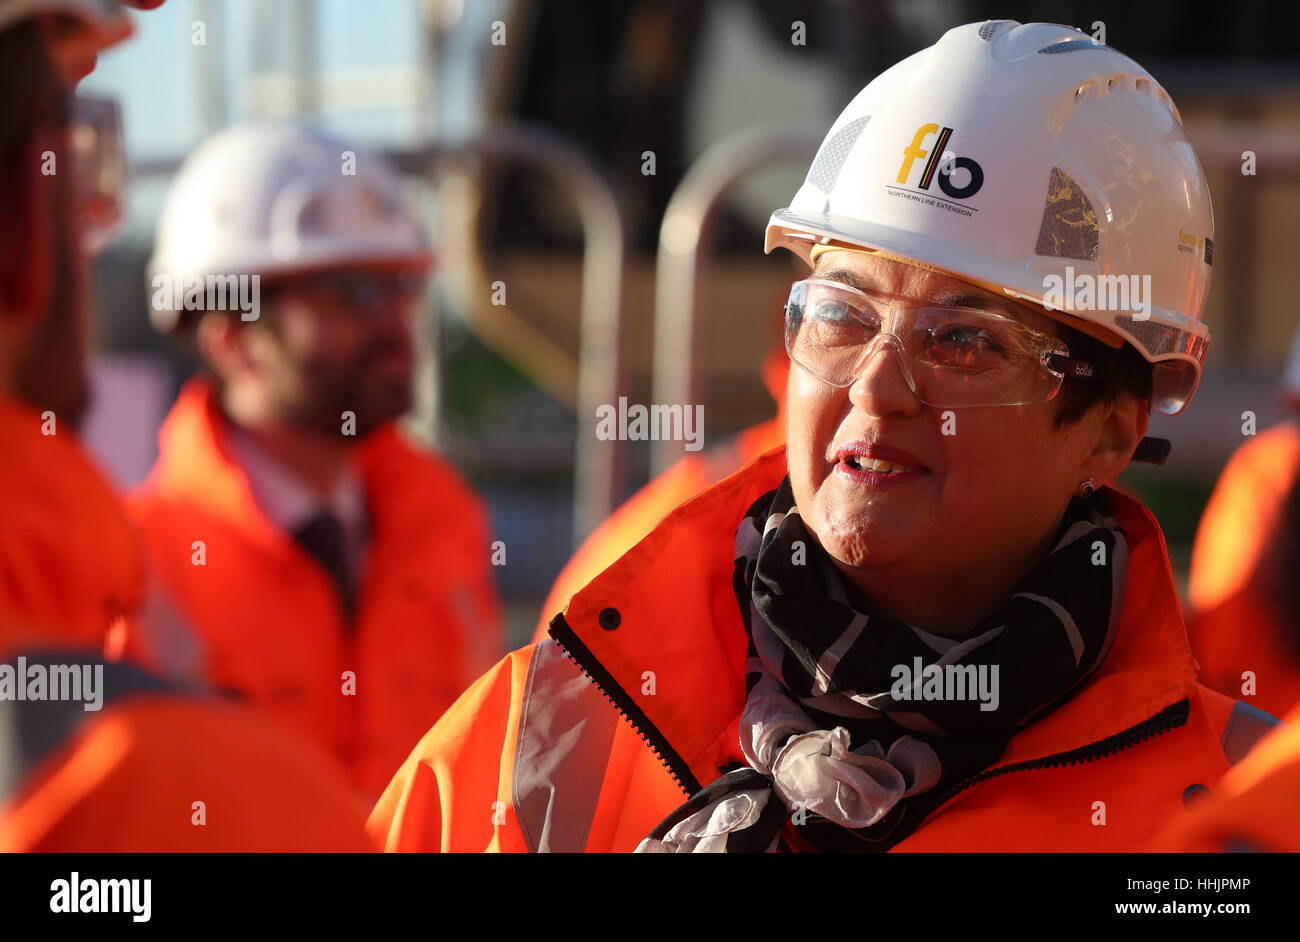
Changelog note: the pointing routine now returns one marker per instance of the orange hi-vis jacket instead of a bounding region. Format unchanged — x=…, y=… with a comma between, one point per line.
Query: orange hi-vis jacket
x=71, y=565
x=1254, y=807
x=124, y=776
x=268, y=621
x=685, y=478
x=160, y=770
x=636, y=517
x=587, y=741
x=1234, y=626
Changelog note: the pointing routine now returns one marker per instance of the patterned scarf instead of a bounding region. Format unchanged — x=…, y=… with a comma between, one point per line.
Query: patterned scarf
x=852, y=721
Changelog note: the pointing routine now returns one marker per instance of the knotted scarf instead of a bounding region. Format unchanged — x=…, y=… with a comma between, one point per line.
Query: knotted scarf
x=855, y=727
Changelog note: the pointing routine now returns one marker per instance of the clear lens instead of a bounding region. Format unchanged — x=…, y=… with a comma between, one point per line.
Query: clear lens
x=951, y=356
x=364, y=292
x=99, y=167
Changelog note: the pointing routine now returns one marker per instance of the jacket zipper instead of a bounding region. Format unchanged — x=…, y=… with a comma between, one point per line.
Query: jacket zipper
x=581, y=655
x=1170, y=718
x=914, y=818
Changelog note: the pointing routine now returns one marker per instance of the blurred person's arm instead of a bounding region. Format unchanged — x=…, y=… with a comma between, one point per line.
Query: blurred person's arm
x=164, y=771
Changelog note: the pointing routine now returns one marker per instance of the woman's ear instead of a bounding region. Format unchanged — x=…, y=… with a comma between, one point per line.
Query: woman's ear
x=1123, y=426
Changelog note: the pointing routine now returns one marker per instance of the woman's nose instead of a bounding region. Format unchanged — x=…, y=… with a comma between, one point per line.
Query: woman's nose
x=884, y=384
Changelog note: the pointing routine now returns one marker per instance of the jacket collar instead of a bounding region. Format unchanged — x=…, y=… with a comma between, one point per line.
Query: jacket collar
x=196, y=455
x=662, y=626
x=287, y=500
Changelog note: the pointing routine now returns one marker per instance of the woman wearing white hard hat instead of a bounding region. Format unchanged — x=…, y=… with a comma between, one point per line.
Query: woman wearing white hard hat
x=930, y=623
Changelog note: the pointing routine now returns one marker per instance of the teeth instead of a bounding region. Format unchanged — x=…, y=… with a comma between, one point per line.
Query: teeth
x=879, y=467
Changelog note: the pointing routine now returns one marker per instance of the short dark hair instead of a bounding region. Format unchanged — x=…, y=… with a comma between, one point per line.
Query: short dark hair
x=1115, y=371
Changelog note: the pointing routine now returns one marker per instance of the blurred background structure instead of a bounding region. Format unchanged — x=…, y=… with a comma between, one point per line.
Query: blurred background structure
x=593, y=170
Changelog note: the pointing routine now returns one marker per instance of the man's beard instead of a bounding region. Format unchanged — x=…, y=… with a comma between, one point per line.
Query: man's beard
x=338, y=402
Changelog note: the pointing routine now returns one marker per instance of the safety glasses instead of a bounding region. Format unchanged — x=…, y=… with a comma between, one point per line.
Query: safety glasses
x=99, y=170
x=357, y=292
x=950, y=356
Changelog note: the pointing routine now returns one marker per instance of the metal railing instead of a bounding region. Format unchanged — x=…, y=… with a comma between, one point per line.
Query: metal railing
x=684, y=239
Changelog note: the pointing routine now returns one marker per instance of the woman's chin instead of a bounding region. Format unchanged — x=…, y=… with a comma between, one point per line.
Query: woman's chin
x=865, y=544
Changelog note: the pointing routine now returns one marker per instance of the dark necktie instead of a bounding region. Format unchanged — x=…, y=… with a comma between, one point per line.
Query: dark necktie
x=323, y=538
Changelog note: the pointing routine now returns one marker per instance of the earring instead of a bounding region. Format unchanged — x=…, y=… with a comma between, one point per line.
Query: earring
x=1086, y=489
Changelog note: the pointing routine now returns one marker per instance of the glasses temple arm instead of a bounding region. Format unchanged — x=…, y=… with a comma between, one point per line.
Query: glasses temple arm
x=1064, y=363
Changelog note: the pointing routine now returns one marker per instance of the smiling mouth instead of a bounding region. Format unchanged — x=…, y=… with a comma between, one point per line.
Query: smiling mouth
x=876, y=466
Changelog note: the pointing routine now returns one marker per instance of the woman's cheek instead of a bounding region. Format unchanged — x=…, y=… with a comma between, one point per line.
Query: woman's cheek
x=810, y=429
x=977, y=463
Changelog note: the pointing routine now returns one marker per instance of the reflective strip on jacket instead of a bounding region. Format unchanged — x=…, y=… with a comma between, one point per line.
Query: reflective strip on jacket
x=541, y=756
x=266, y=620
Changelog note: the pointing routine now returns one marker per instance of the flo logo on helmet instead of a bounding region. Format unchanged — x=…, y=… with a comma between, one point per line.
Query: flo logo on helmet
x=941, y=164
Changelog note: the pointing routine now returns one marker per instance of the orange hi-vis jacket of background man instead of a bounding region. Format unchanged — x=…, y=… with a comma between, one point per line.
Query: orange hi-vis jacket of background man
x=268, y=620
x=125, y=777
x=689, y=475
x=537, y=756
x=1233, y=625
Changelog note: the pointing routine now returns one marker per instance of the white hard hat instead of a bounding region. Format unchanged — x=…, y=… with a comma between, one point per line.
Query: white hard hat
x=1021, y=158
x=275, y=198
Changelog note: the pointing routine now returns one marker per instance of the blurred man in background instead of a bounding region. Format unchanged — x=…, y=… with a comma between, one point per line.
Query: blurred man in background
x=98, y=756
x=1234, y=625
x=327, y=570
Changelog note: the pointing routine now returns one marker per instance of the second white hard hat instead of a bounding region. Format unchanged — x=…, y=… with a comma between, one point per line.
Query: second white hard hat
x=275, y=198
